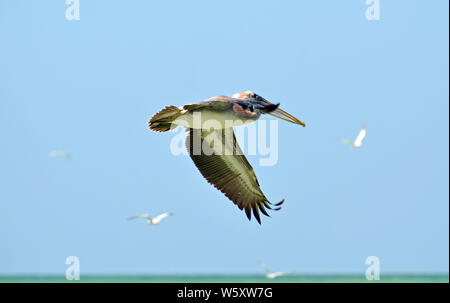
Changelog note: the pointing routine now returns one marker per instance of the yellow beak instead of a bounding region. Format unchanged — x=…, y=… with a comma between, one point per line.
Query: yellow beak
x=281, y=114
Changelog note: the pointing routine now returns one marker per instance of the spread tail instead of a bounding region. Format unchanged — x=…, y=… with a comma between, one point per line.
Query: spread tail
x=162, y=121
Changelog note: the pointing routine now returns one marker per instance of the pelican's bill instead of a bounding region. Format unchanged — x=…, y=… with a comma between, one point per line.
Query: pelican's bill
x=281, y=114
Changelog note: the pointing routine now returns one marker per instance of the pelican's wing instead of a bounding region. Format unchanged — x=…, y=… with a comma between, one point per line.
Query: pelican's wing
x=225, y=167
x=218, y=103
x=267, y=269
x=142, y=216
x=162, y=216
x=347, y=141
x=360, y=137
x=280, y=274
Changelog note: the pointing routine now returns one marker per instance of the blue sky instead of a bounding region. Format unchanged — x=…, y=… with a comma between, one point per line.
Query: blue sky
x=90, y=86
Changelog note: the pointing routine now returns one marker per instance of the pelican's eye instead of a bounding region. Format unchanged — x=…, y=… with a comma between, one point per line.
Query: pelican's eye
x=257, y=97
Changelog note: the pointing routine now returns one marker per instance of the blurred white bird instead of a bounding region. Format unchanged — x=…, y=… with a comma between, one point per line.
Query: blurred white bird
x=358, y=141
x=272, y=275
x=59, y=154
x=150, y=220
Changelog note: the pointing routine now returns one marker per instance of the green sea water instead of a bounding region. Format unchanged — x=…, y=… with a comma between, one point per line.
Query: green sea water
x=444, y=278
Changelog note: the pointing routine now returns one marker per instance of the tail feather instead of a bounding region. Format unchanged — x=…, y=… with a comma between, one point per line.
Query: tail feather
x=162, y=121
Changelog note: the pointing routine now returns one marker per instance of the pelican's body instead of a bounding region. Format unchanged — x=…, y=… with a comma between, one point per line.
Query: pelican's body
x=188, y=119
x=225, y=118
x=150, y=220
x=212, y=144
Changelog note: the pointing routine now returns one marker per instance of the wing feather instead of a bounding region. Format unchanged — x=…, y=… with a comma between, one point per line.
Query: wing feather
x=219, y=103
x=162, y=216
x=362, y=133
x=228, y=170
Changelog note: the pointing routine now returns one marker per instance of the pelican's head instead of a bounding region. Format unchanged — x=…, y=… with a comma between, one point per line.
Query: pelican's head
x=265, y=107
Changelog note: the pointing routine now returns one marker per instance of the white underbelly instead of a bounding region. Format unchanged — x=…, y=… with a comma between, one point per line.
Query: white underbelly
x=210, y=119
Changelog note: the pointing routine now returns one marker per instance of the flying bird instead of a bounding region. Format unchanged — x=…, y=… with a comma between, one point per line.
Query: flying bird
x=150, y=220
x=212, y=145
x=59, y=154
x=358, y=141
x=270, y=274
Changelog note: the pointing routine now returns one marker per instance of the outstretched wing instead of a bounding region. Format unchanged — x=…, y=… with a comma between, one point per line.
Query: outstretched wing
x=218, y=103
x=142, y=216
x=220, y=160
x=162, y=216
x=360, y=137
x=280, y=274
x=266, y=269
x=346, y=141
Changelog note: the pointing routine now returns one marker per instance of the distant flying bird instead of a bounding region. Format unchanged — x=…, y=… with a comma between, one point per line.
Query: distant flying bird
x=150, y=220
x=358, y=141
x=270, y=274
x=59, y=154
x=225, y=166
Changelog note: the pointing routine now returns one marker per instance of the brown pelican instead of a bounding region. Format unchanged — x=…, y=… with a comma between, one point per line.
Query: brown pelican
x=212, y=145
